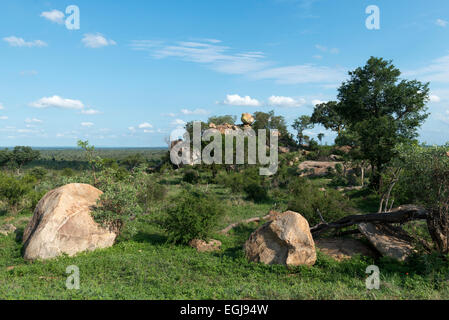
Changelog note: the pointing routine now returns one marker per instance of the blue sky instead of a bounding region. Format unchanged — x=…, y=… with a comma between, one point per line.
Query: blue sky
x=137, y=70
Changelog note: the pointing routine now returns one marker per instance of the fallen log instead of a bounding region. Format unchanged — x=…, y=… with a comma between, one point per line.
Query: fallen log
x=401, y=215
x=233, y=225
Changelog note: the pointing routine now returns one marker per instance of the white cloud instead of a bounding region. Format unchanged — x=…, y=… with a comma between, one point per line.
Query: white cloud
x=436, y=71
x=132, y=129
x=87, y=124
x=3, y=118
x=302, y=74
x=434, y=98
x=54, y=16
x=326, y=49
x=57, y=102
x=145, y=125
x=28, y=73
x=194, y=112
x=280, y=101
x=33, y=120
x=253, y=64
x=20, y=42
x=148, y=131
x=316, y=101
x=178, y=122
x=1, y=106
x=441, y=22
x=236, y=100
x=90, y=111
x=217, y=57
x=97, y=40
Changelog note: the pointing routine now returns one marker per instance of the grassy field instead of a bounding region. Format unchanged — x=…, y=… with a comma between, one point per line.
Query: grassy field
x=145, y=266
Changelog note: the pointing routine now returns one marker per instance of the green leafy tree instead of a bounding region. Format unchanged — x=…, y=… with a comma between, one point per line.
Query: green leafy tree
x=222, y=119
x=21, y=156
x=327, y=115
x=268, y=120
x=301, y=124
x=320, y=136
x=380, y=110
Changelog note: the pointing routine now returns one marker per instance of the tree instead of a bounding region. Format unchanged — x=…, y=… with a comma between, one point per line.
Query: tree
x=378, y=110
x=424, y=180
x=218, y=120
x=264, y=120
x=301, y=124
x=327, y=115
x=320, y=136
x=90, y=156
x=21, y=156
x=5, y=157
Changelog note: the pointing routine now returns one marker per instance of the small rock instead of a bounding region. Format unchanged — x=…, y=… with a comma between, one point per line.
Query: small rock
x=203, y=246
x=7, y=229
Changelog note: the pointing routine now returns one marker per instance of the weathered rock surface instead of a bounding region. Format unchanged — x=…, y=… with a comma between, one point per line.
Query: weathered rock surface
x=7, y=229
x=203, y=246
x=390, y=241
x=247, y=118
x=284, y=240
x=316, y=168
x=62, y=223
x=344, y=248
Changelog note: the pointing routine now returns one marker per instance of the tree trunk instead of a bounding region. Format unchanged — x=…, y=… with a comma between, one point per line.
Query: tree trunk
x=437, y=224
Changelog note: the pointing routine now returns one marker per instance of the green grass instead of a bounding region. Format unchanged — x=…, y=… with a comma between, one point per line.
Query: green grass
x=145, y=266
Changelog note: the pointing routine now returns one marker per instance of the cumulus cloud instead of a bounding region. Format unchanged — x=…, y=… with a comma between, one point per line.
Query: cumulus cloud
x=3, y=118
x=87, y=124
x=1, y=106
x=236, y=100
x=132, y=129
x=20, y=42
x=194, y=112
x=316, y=101
x=441, y=22
x=145, y=125
x=55, y=16
x=96, y=40
x=280, y=101
x=57, y=102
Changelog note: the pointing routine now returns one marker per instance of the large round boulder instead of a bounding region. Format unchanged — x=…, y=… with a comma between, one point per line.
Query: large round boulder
x=284, y=240
x=62, y=223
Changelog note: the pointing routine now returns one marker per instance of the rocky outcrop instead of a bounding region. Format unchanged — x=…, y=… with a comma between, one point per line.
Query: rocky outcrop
x=390, y=241
x=286, y=240
x=344, y=248
x=316, y=168
x=62, y=224
x=203, y=246
x=247, y=119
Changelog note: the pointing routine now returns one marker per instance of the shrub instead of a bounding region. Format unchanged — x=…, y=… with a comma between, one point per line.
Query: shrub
x=67, y=172
x=193, y=216
x=191, y=176
x=150, y=191
x=256, y=191
x=306, y=199
x=13, y=190
x=234, y=181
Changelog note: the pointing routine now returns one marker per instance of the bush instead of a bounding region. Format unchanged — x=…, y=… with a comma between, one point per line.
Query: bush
x=306, y=199
x=67, y=172
x=150, y=191
x=256, y=191
x=191, y=176
x=193, y=216
x=13, y=190
x=233, y=180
